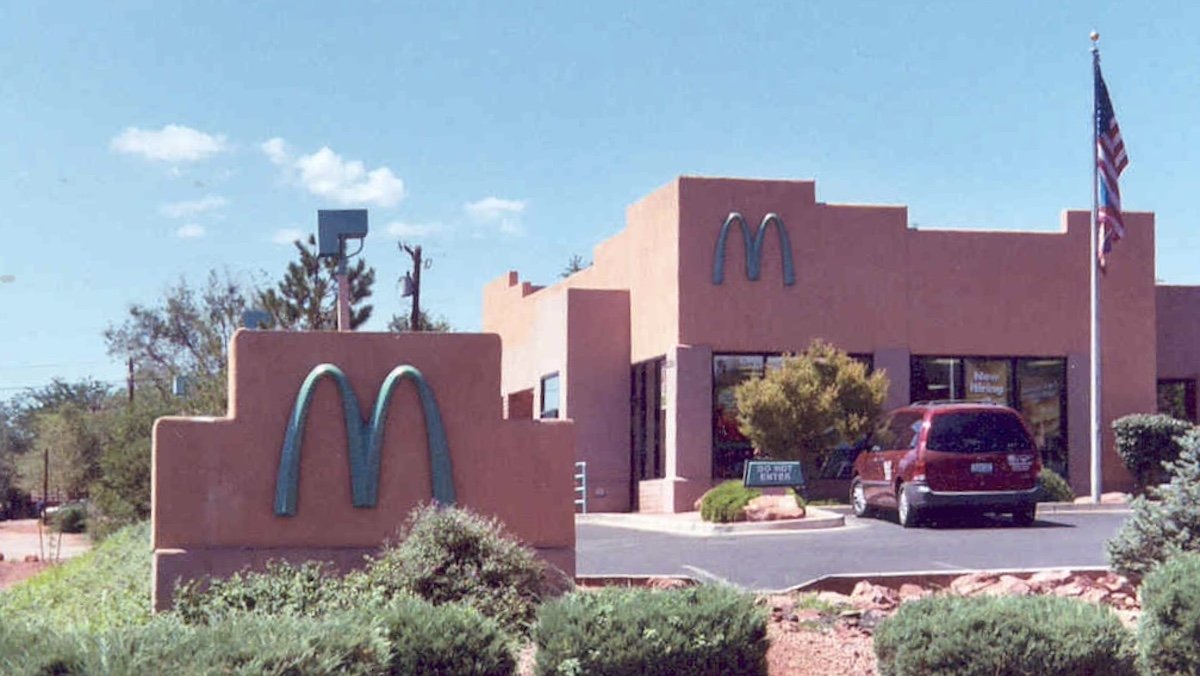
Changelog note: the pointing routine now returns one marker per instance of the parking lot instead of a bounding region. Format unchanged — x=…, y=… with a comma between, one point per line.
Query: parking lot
x=770, y=561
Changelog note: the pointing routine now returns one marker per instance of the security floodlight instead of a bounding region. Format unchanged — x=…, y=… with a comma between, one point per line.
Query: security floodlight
x=335, y=226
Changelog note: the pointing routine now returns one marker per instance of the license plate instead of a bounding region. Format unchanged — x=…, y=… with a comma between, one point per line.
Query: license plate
x=981, y=468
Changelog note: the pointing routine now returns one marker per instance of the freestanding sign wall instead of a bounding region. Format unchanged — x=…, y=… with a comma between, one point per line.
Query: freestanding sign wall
x=296, y=472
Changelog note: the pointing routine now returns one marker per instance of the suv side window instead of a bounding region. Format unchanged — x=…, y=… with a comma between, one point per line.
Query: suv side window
x=900, y=430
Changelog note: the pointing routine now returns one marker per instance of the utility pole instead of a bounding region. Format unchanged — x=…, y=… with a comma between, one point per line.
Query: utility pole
x=414, y=320
x=129, y=380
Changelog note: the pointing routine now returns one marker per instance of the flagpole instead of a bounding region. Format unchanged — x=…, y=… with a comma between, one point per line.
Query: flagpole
x=1094, y=282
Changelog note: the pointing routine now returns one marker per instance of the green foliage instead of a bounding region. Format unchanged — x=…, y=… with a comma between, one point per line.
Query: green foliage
x=1000, y=636
x=67, y=444
x=724, y=503
x=1053, y=487
x=701, y=630
x=185, y=334
x=108, y=586
x=307, y=590
x=1164, y=524
x=449, y=555
x=809, y=405
x=1146, y=442
x=306, y=298
x=1169, y=628
x=121, y=496
x=70, y=518
x=405, y=637
x=434, y=324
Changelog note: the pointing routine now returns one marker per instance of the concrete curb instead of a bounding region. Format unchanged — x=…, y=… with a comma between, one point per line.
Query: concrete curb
x=689, y=523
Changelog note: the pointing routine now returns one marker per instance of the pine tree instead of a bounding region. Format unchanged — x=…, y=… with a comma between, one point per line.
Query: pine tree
x=306, y=298
x=1165, y=523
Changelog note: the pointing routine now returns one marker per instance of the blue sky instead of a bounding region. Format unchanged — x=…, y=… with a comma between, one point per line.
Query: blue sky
x=152, y=140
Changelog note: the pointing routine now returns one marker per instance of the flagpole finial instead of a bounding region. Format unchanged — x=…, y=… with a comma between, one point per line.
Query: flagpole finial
x=1094, y=36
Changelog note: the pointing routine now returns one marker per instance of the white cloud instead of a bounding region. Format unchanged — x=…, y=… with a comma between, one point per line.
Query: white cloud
x=326, y=174
x=503, y=213
x=287, y=235
x=190, y=231
x=191, y=208
x=399, y=229
x=276, y=150
x=172, y=143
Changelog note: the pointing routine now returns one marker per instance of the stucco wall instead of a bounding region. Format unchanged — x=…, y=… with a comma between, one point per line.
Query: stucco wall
x=1178, y=331
x=214, y=480
x=597, y=385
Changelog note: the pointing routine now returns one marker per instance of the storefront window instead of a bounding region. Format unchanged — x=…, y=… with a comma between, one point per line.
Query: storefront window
x=1177, y=398
x=1042, y=387
x=730, y=447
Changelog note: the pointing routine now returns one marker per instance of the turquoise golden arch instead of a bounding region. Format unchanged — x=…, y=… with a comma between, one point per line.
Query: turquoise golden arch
x=754, y=248
x=364, y=439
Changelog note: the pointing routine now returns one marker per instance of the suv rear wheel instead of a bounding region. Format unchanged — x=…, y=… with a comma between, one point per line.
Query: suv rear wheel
x=906, y=514
x=858, y=498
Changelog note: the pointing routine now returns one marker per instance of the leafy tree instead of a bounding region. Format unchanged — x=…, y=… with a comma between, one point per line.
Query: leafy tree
x=122, y=492
x=306, y=298
x=185, y=334
x=65, y=454
x=402, y=324
x=574, y=265
x=814, y=401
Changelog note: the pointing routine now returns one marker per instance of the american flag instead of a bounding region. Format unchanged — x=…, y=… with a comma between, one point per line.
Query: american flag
x=1111, y=161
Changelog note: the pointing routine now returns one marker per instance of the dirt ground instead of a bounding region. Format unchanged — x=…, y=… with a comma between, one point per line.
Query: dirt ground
x=26, y=553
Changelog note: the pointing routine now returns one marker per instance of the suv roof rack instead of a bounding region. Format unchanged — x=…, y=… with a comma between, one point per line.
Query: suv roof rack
x=939, y=402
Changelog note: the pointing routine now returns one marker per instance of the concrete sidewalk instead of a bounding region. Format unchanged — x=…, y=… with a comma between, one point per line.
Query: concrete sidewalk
x=690, y=523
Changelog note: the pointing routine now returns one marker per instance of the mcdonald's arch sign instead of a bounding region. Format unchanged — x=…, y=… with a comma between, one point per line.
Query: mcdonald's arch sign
x=364, y=439
x=754, y=248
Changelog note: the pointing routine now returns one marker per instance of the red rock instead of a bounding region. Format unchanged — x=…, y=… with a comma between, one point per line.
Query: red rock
x=909, y=592
x=773, y=508
x=1008, y=585
x=966, y=585
x=1050, y=576
x=667, y=583
x=31, y=558
x=867, y=595
x=806, y=615
x=1, y=556
x=1095, y=595
x=834, y=598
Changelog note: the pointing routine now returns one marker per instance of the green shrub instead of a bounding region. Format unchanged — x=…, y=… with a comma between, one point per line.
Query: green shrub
x=1169, y=629
x=449, y=555
x=1146, y=442
x=30, y=648
x=999, y=636
x=71, y=518
x=108, y=586
x=406, y=636
x=308, y=590
x=724, y=503
x=700, y=630
x=447, y=639
x=1053, y=488
x=1164, y=524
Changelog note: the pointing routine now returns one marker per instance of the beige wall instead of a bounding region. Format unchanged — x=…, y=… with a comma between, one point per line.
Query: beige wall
x=214, y=480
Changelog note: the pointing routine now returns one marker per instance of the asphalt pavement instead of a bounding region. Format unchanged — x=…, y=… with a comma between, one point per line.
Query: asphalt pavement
x=777, y=560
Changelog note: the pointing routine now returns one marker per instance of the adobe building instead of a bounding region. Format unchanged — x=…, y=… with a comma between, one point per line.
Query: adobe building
x=713, y=279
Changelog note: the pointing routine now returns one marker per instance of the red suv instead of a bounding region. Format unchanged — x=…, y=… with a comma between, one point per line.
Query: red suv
x=948, y=455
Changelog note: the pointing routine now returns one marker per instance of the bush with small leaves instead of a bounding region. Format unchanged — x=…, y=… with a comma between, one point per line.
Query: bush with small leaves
x=702, y=630
x=1003, y=636
x=1169, y=628
x=1164, y=524
x=1053, y=488
x=724, y=503
x=309, y=589
x=450, y=555
x=1146, y=442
